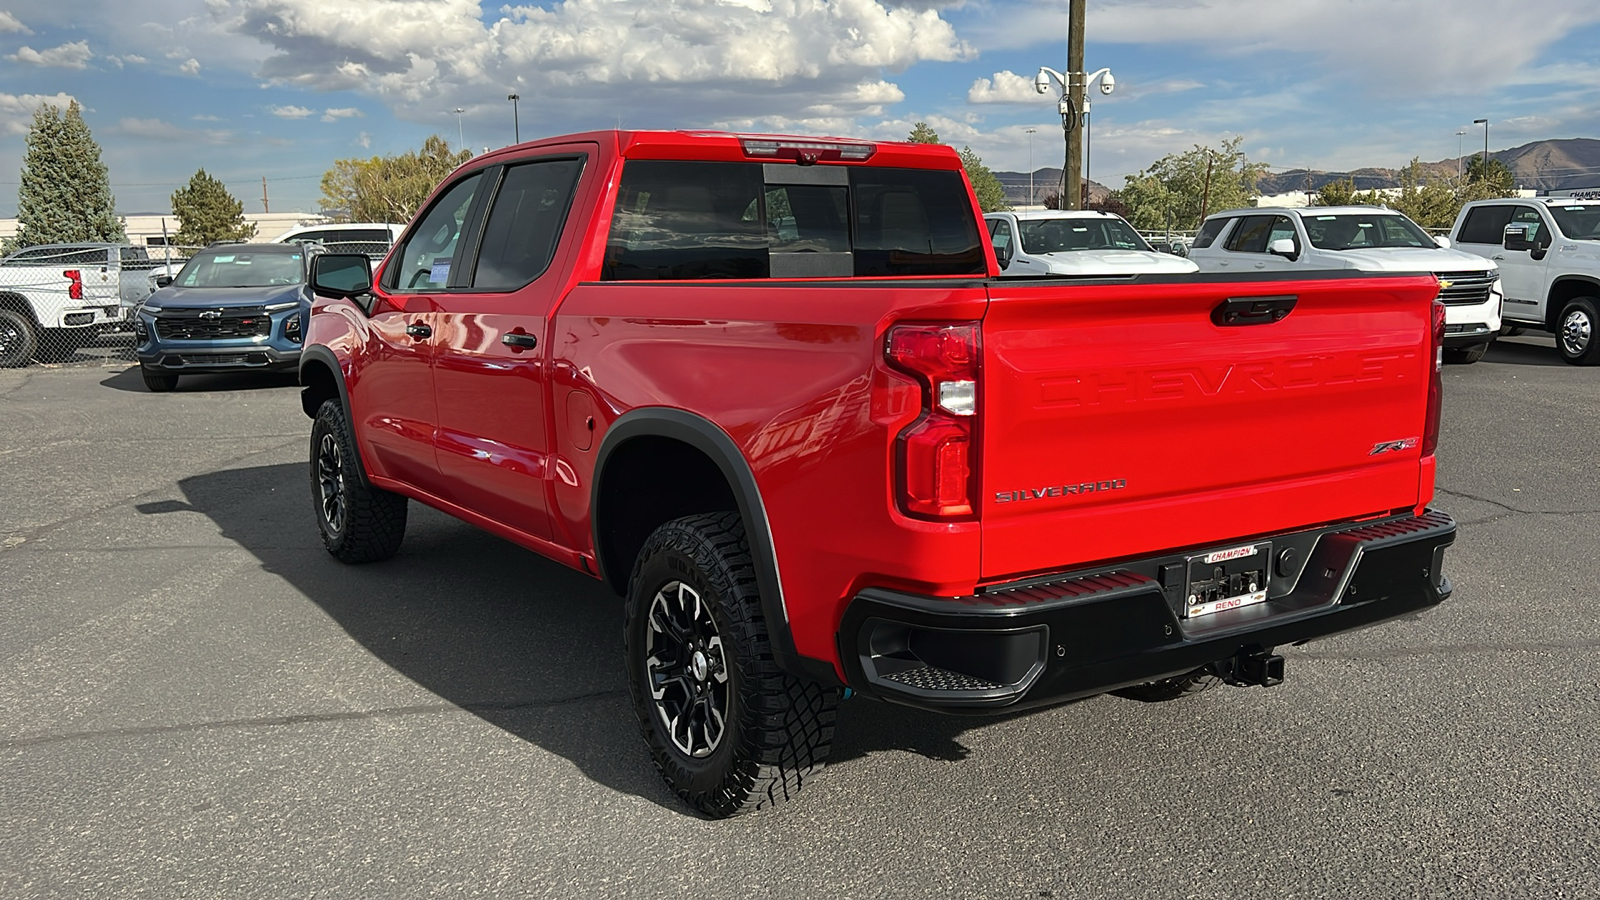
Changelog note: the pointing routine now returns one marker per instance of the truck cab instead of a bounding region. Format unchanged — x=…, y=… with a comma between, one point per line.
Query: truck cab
x=1548, y=252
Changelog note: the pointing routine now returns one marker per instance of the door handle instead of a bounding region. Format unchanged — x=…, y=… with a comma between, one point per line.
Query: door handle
x=419, y=331
x=516, y=340
x=1497, y=257
x=1253, y=310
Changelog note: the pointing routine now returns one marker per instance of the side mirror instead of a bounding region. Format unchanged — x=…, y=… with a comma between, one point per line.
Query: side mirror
x=1442, y=241
x=1002, y=253
x=163, y=280
x=342, y=275
x=1516, y=238
x=1283, y=247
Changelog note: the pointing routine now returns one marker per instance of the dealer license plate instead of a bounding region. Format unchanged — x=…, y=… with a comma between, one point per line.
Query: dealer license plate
x=1227, y=579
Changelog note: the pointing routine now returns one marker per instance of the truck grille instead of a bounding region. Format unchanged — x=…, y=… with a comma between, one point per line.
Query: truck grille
x=1466, y=288
x=194, y=325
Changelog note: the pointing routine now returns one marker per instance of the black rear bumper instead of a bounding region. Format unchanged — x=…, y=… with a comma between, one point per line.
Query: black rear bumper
x=1046, y=640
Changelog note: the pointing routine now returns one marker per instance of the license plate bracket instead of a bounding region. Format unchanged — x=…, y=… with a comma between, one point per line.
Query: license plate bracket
x=1226, y=579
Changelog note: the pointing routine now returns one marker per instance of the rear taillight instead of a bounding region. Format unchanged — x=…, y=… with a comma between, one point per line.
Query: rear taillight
x=936, y=456
x=75, y=283
x=1430, y=428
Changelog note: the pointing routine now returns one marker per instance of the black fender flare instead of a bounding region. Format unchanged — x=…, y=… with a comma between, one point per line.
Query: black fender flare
x=319, y=353
x=707, y=437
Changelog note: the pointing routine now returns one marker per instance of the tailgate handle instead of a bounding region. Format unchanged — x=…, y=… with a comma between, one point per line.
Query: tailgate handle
x=1253, y=310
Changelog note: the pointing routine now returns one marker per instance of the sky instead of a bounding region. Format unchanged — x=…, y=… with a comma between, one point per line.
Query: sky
x=279, y=89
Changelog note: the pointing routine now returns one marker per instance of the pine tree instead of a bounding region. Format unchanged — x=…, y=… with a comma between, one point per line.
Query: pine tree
x=65, y=194
x=207, y=212
x=991, y=193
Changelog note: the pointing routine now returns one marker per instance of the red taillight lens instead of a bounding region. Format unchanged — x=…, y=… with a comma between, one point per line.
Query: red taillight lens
x=1430, y=428
x=936, y=455
x=75, y=286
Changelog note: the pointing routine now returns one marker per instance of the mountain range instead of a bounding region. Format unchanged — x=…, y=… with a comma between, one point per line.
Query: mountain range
x=1541, y=165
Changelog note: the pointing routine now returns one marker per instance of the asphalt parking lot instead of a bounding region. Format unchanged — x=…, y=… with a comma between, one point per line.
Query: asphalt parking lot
x=197, y=701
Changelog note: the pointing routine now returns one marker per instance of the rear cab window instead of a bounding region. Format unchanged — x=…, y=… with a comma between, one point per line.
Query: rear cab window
x=1486, y=224
x=681, y=220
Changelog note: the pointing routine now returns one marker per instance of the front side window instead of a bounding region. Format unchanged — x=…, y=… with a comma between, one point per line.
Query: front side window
x=425, y=261
x=1529, y=219
x=241, y=267
x=1486, y=224
x=1251, y=235
x=525, y=223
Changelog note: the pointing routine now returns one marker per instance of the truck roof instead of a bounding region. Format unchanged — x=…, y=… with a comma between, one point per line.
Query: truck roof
x=1309, y=211
x=727, y=146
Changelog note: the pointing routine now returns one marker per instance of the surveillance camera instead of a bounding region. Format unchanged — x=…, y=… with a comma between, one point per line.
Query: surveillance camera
x=1041, y=82
x=1108, y=84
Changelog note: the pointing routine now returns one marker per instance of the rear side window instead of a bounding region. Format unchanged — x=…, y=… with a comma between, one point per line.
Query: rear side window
x=1486, y=225
x=525, y=223
x=1209, y=231
x=693, y=220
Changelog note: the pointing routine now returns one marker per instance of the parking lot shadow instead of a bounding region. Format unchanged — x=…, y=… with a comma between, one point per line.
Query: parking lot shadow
x=1532, y=350
x=526, y=644
x=129, y=380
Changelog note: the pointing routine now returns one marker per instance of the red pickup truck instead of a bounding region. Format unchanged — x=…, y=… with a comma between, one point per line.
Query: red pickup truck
x=773, y=391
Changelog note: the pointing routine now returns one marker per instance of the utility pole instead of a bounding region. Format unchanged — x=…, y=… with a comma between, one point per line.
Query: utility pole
x=264, y=207
x=1071, y=195
x=1031, y=194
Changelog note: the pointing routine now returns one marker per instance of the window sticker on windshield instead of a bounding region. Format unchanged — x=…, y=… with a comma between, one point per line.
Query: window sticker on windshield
x=440, y=273
x=222, y=259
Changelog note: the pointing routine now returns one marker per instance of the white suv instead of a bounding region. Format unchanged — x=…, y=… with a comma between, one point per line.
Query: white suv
x=372, y=238
x=1364, y=238
x=1074, y=242
x=1548, y=250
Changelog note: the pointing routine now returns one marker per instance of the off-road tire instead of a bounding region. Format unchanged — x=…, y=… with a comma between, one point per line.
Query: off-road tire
x=1166, y=689
x=158, y=382
x=359, y=523
x=1578, y=331
x=19, y=340
x=776, y=729
x=1465, y=356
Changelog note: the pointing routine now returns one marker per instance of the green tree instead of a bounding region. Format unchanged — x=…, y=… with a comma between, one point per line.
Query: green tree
x=389, y=188
x=991, y=193
x=1180, y=189
x=1486, y=182
x=1432, y=204
x=207, y=212
x=1338, y=193
x=65, y=194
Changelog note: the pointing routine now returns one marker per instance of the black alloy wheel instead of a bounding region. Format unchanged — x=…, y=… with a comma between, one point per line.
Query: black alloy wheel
x=729, y=731
x=359, y=522
x=18, y=339
x=687, y=670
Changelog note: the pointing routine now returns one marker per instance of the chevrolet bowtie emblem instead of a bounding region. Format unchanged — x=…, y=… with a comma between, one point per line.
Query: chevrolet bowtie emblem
x=1445, y=285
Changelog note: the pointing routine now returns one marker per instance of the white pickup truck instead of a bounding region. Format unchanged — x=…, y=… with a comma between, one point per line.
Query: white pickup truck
x=55, y=297
x=1548, y=250
x=1364, y=238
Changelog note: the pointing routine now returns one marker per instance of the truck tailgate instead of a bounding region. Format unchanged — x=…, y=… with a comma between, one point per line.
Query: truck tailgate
x=1126, y=419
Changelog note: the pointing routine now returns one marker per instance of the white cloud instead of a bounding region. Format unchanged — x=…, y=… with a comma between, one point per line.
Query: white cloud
x=9, y=24
x=16, y=110
x=1005, y=87
x=291, y=112
x=75, y=55
x=363, y=140
x=206, y=118
x=346, y=112
x=166, y=132
x=191, y=66
x=667, y=63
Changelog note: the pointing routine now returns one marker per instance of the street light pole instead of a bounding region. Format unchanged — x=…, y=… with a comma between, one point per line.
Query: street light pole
x=1485, y=124
x=1074, y=117
x=1459, y=154
x=461, y=140
x=1031, y=132
x=516, y=126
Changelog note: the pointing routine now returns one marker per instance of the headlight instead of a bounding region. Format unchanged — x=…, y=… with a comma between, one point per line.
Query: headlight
x=291, y=328
x=152, y=310
x=278, y=307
